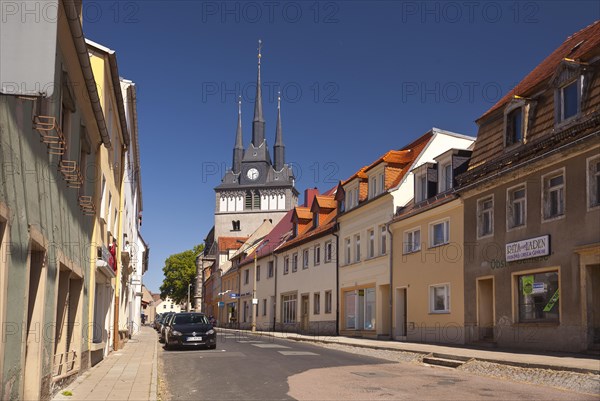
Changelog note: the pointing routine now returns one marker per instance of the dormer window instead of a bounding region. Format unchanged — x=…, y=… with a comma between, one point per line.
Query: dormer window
x=446, y=178
x=315, y=220
x=421, y=188
x=569, y=101
x=514, y=127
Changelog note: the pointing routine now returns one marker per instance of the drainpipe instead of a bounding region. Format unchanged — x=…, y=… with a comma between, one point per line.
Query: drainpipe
x=275, y=289
x=387, y=227
x=337, y=282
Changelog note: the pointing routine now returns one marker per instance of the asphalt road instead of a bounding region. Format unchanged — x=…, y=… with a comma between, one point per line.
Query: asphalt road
x=246, y=367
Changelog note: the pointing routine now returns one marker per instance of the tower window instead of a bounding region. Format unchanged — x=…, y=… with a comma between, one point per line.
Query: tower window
x=252, y=200
x=236, y=225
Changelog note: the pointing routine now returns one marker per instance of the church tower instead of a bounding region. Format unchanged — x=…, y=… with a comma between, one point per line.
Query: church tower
x=255, y=188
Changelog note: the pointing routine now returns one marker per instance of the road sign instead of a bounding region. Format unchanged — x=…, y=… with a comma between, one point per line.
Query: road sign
x=221, y=304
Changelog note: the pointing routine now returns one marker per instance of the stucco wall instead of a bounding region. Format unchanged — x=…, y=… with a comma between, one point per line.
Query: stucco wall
x=487, y=257
x=416, y=272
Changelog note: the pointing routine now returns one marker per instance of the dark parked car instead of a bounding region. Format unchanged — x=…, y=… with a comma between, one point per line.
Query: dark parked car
x=163, y=326
x=156, y=322
x=190, y=329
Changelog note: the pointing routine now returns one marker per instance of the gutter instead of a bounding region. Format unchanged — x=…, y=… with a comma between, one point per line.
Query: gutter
x=136, y=143
x=88, y=75
x=116, y=82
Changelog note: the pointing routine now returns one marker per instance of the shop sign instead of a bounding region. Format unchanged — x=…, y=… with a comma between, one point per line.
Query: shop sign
x=529, y=248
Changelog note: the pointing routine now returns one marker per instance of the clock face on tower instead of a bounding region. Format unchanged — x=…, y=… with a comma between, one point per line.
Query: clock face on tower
x=252, y=174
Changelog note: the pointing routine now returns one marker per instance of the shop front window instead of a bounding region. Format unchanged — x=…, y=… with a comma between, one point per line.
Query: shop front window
x=360, y=309
x=538, y=297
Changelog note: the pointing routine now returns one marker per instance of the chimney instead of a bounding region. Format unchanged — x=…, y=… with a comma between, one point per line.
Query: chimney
x=309, y=196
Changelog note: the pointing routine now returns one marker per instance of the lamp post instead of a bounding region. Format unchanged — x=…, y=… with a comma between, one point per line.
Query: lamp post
x=254, y=300
x=187, y=309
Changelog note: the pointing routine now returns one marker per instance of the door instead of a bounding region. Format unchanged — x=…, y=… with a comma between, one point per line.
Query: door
x=401, y=308
x=35, y=323
x=595, y=309
x=485, y=308
x=305, y=320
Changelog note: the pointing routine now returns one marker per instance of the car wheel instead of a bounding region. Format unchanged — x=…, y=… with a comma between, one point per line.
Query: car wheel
x=214, y=346
x=167, y=344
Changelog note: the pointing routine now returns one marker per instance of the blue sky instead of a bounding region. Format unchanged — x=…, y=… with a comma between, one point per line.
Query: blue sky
x=357, y=77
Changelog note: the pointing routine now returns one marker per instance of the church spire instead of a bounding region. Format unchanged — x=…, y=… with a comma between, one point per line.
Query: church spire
x=258, y=124
x=279, y=148
x=238, y=150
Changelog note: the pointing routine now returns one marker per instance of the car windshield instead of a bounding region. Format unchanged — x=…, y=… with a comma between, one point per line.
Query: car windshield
x=190, y=318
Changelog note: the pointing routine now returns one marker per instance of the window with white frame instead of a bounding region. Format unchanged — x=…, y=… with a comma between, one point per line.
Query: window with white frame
x=485, y=216
x=317, y=303
x=357, y=247
x=445, y=183
x=371, y=243
x=328, y=301
x=295, y=262
x=439, y=233
x=328, y=251
x=288, y=308
x=382, y=240
x=412, y=240
x=593, y=178
x=360, y=309
x=568, y=100
x=305, y=259
x=554, y=195
x=517, y=206
x=317, y=251
x=381, y=183
x=348, y=261
x=286, y=265
x=439, y=298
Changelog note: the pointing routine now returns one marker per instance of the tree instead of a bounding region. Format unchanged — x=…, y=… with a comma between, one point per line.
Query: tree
x=179, y=272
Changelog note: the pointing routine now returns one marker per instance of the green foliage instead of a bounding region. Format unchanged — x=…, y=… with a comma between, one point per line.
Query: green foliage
x=179, y=271
x=67, y=393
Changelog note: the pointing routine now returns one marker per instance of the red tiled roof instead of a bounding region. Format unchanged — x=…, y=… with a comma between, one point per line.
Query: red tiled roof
x=575, y=47
x=392, y=157
x=324, y=202
x=303, y=213
x=230, y=243
x=278, y=234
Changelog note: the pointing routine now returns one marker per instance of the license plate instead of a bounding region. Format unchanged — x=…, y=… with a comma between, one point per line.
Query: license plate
x=194, y=338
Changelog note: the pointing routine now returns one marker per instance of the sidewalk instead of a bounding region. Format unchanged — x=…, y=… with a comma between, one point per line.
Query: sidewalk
x=554, y=361
x=127, y=374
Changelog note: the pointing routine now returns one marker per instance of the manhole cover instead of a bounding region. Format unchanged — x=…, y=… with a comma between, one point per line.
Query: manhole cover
x=374, y=374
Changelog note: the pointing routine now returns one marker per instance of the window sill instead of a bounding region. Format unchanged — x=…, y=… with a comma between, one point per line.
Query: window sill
x=541, y=323
x=516, y=228
x=490, y=235
x=412, y=251
x=437, y=246
x=551, y=219
x=443, y=312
